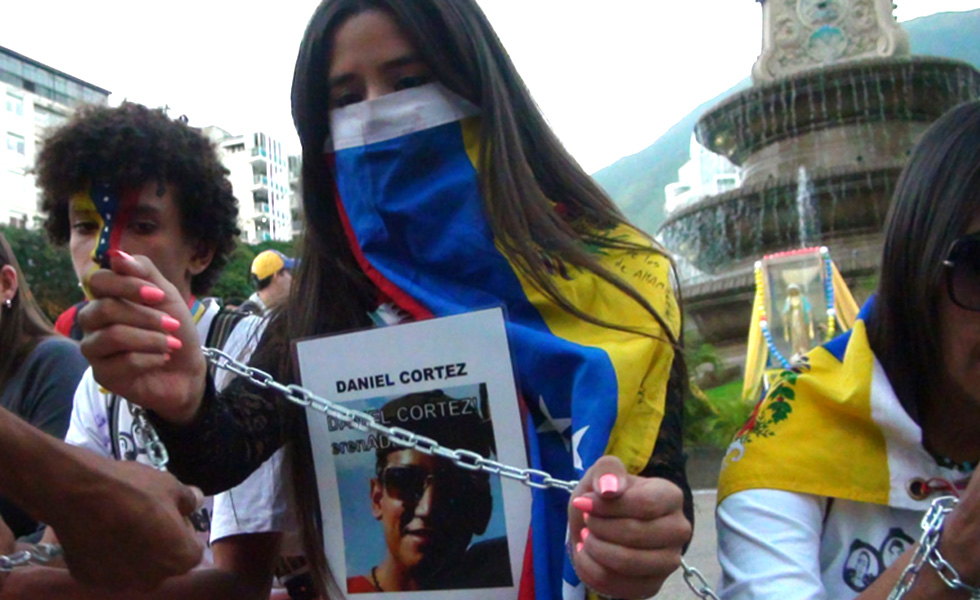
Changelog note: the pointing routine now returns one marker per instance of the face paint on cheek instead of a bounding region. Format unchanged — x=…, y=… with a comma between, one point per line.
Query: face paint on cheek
x=82, y=204
x=111, y=209
x=115, y=207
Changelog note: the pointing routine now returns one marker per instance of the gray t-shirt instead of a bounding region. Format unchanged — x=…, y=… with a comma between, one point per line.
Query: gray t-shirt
x=41, y=393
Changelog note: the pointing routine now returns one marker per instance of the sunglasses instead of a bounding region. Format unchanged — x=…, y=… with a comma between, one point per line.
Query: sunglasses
x=963, y=272
x=409, y=482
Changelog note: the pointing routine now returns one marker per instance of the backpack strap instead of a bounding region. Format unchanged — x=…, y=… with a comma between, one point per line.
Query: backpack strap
x=112, y=411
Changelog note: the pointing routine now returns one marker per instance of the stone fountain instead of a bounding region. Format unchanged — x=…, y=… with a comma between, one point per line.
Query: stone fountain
x=836, y=104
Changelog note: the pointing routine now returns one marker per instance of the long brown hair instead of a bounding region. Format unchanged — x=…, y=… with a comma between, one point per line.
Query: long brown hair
x=937, y=195
x=22, y=325
x=523, y=168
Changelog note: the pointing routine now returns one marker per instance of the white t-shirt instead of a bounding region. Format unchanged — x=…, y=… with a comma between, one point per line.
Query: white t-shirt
x=263, y=502
x=775, y=545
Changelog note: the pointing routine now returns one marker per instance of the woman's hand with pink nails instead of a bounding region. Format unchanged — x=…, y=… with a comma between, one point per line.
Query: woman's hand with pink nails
x=636, y=530
x=141, y=340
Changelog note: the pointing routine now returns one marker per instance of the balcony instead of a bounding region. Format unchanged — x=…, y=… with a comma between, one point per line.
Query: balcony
x=258, y=155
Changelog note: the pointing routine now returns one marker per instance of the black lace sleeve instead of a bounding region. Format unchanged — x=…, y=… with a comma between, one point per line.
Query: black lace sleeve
x=235, y=431
x=668, y=460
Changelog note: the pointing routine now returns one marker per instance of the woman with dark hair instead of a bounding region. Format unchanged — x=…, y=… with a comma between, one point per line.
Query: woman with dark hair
x=849, y=449
x=433, y=186
x=39, y=370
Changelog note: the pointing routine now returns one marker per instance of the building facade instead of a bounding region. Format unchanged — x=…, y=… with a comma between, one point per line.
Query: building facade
x=705, y=174
x=36, y=98
x=260, y=179
x=296, y=193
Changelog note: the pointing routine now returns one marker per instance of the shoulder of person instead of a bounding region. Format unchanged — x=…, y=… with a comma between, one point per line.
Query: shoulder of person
x=59, y=355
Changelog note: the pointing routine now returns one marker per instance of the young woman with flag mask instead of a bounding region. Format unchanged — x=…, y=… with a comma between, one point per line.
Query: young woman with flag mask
x=432, y=186
x=823, y=491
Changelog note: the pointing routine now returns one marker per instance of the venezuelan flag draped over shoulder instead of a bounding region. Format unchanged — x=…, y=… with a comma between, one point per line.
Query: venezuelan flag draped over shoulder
x=408, y=190
x=832, y=427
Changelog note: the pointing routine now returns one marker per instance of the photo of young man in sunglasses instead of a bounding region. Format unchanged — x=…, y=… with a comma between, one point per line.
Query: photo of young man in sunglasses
x=429, y=509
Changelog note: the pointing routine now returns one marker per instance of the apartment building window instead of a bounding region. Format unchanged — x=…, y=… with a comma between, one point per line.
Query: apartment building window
x=45, y=117
x=18, y=220
x=15, y=142
x=15, y=104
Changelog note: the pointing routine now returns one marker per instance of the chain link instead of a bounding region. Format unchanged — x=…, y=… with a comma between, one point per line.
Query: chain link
x=928, y=552
x=698, y=584
x=38, y=554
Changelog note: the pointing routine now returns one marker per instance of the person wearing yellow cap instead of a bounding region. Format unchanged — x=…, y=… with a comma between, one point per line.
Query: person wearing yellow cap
x=272, y=277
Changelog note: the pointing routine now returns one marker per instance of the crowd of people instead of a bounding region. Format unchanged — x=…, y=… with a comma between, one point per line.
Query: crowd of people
x=432, y=186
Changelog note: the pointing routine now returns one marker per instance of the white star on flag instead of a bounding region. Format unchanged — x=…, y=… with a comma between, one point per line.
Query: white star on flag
x=551, y=424
x=576, y=440
x=570, y=592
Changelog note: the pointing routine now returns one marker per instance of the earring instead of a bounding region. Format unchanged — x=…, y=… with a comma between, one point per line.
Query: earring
x=7, y=303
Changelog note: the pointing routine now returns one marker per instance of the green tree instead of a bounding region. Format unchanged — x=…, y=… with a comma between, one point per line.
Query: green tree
x=47, y=268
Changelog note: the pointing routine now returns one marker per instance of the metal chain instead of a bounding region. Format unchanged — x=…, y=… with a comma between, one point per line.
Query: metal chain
x=464, y=459
x=698, y=584
x=928, y=552
x=156, y=452
x=931, y=527
x=38, y=554
x=950, y=576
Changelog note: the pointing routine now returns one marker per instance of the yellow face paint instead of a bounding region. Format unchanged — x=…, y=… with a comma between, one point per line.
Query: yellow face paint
x=82, y=205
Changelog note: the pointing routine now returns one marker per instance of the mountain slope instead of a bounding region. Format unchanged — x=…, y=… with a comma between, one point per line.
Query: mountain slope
x=637, y=182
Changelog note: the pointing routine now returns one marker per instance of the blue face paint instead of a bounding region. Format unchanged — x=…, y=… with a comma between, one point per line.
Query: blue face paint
x=111, y=208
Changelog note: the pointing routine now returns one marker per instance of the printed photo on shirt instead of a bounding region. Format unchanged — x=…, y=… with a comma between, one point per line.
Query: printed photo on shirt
x=862, y=566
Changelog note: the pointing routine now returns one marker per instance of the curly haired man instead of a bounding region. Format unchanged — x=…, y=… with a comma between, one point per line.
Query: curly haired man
x=177, y=211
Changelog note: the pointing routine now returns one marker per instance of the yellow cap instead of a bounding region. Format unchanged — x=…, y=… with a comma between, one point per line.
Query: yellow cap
x=269, y=262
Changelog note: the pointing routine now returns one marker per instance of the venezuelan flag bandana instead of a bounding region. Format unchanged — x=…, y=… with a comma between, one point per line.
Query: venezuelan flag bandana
x=834, y=427
x=408, y=192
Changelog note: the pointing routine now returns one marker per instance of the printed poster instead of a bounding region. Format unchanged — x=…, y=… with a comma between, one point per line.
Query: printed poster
x=398, y=522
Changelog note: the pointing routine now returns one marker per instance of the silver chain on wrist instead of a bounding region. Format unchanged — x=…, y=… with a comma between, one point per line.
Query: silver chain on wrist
x=38, y=554
x=928, y=552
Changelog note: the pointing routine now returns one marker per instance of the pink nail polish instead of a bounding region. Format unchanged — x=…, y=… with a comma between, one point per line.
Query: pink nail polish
x=169, y=323
x=173, y=343
x=151, y=294
x=120, y=254
x=584, y=534
x=583, y=504
x=579, y=546
x=608, y=484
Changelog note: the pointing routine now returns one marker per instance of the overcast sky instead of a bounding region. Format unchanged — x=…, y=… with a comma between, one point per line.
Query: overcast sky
x=611, y=76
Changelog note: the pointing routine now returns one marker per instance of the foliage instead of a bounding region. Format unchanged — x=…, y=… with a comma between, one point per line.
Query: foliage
x=712, y=416
x=234, y=286
x=712, y=419
x=47, y=269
